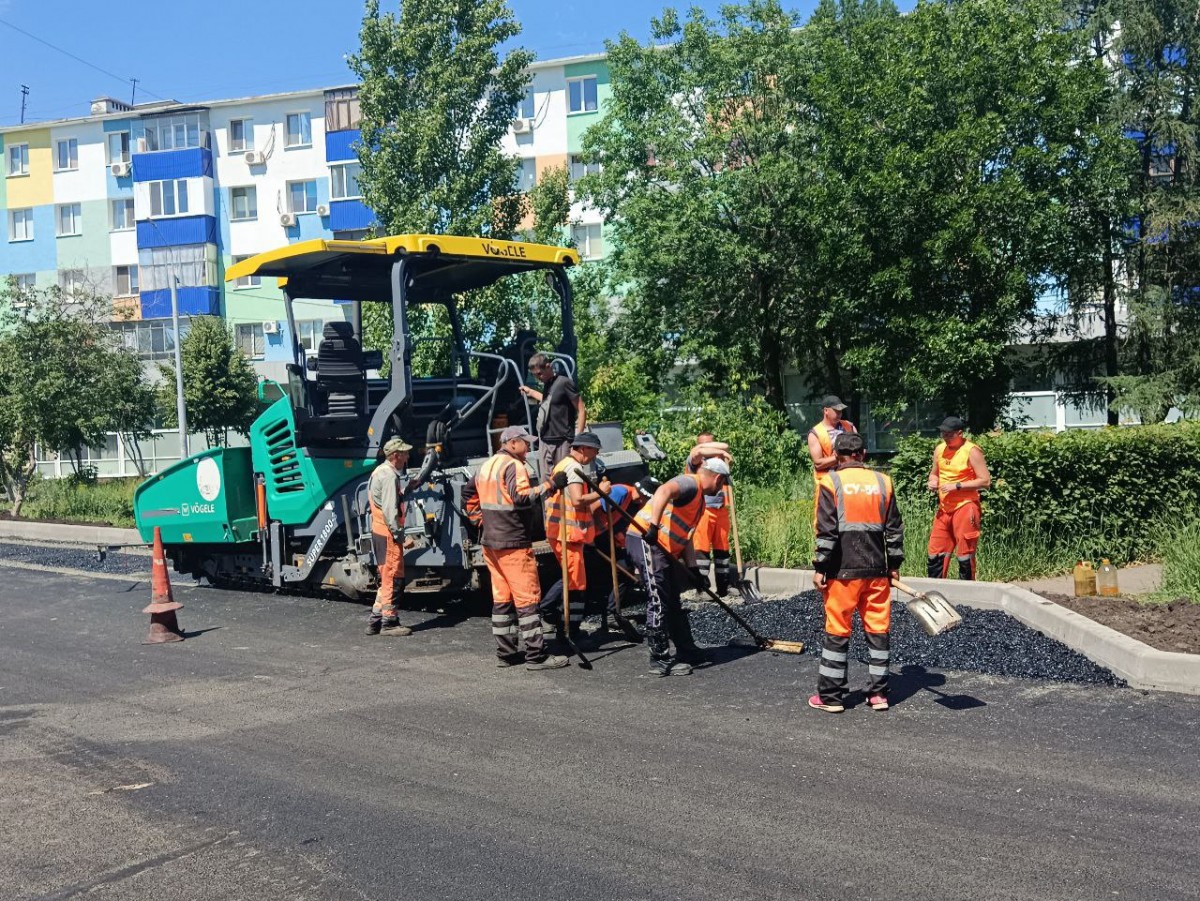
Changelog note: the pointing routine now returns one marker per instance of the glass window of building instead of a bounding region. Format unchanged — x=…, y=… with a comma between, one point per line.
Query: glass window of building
x=243, y=203
x=241, y=135
x=126, y=278
x=250, y=339
x=66, y=155
x=18, y=159
x=69, y=219
x=302, y=196
x=118, y=147
x=524, y=108
x=308, y=333
x=581, y=95
x=299, y=129
x=246, y=281
x=343, y=181
x=580, y=168
x=122, y=214
x=20, y=225
x=168, y=198
x=589, y=241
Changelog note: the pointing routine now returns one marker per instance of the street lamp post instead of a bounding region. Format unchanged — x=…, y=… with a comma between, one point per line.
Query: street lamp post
x=180, y=406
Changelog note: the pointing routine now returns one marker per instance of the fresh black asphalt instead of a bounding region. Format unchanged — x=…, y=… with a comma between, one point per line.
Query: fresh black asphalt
x=279, y=753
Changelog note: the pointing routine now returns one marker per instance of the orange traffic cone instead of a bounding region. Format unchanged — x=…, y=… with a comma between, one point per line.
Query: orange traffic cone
x=164, y=626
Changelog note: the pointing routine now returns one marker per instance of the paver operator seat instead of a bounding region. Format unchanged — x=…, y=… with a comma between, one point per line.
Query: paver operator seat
x=342, y=372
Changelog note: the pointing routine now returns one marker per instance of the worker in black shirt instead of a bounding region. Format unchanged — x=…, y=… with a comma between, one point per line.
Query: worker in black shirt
x=560, y=412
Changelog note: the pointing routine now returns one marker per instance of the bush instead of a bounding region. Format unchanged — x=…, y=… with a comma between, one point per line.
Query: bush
x=60, y=499
x=1181, y=563
x=1077, y=494
x=766, y=450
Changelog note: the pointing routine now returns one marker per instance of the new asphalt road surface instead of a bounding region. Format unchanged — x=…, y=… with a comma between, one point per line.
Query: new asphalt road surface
x=280, y=753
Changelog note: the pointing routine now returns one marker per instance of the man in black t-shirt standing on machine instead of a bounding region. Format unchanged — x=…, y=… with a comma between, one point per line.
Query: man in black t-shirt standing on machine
x=561, y=414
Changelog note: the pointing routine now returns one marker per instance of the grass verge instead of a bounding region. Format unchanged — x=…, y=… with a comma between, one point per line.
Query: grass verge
x=105, y=502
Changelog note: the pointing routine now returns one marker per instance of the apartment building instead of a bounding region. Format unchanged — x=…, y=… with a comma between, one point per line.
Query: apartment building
x=129, y=199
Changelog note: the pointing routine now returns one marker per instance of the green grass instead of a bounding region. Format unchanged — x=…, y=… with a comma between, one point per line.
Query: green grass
x=1181, y=563
x=109, y=501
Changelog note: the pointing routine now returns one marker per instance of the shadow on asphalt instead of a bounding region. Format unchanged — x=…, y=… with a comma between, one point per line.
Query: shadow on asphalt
x=196, y=633
x=914, y=678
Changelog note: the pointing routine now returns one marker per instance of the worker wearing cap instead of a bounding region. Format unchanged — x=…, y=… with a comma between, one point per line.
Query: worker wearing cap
x=561, y=413
x=824, y=433
x=711, y=540
x=959, y=472
x=506, y=502
x=662, y=531
x=385, y=493
x=860, y=546
x=570, y=517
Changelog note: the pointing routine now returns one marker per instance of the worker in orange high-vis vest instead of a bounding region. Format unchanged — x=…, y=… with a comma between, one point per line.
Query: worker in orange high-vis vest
x=959, y=472
x=630, y=499
x=385, y=493
x=506, y=501
x=570, y=516
x=860, y=546
x=824, y=433
x=667, y=524
x=711, y=539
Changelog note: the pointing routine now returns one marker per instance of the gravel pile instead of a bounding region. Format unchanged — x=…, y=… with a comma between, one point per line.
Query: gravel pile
x=77, y=558
x=988, y=641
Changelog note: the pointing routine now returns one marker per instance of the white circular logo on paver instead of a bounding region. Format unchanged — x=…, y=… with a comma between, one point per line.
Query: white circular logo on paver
x=208, y=478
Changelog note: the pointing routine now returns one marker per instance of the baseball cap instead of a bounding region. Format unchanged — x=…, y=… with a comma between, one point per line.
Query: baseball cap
x=395, y=446
x=832, y=401
x=952, y=424
x=848, y=444
x=586, y=439
x=717, y=465
x=516, y=431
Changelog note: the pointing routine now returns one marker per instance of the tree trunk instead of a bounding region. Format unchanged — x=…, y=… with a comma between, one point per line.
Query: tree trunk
x=772, y=351
x=1111, y=361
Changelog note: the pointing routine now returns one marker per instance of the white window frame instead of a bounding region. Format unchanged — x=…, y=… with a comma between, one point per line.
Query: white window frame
x=526, y=173
x=578, y=168
x=159, y=188
x=124, y=155
x=25, y=281
x=76, y=220
x=581, y=81
x=26, y=216
x=22, y=168
x=71, y=280
x=526, y=108
x=317, y=330
x=301, y=117
x=253, y=332
x=252, y=200
x=125, y=203
x=130, y=276
x=341, y=170
x=316, y=201
x=188, y=122
x=72, y=145
x=247, y=142
x=246, y=281
x=584, y=246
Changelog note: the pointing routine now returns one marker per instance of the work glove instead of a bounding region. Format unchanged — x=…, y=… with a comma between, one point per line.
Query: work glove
x=559, y=480
x=651, y=535
x=398, y=537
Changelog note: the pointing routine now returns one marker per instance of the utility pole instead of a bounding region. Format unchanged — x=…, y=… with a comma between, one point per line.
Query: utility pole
x=133, y=94
x=24, y=95
x=180, y=406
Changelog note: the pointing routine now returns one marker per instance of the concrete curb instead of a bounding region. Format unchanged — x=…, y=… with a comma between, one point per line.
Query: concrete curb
x=53, y=531
x=1137, y=663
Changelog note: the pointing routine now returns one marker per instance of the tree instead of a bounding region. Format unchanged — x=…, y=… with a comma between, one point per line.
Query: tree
x=64, y=381
x=220, y=388
x=437, y=98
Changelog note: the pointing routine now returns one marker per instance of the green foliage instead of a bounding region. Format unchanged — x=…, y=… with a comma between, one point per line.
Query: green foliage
x=72, y=501
x=219, y=384
x=1078, y=494
x=766, y=451
x=1181, y=562
x=64, y=381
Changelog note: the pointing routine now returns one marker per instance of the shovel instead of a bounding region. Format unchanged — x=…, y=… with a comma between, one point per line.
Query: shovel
x=626, y=627
x=931, y=609
x=747, y=589
x=766, y=644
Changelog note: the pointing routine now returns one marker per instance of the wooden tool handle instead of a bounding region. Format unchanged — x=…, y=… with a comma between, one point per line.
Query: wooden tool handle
x=906, y=589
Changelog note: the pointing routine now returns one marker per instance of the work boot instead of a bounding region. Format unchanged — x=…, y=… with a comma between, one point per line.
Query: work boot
x=374, y=623
x=669, y=667
x=693, y=656
x=551, y=661
x=392, y=627
x=629, y=631
x=504, y=661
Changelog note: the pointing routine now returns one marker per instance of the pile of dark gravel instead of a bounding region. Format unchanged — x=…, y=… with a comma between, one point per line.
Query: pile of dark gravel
x=988, y=641
x=77, y=558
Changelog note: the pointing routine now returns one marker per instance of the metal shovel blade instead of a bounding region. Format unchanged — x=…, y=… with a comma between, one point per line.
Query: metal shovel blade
x=934, y=613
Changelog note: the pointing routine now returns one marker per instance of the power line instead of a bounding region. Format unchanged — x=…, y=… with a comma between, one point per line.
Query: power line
x=77, y=59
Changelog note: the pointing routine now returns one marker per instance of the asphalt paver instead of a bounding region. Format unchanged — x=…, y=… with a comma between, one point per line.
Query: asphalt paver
x=279, y=752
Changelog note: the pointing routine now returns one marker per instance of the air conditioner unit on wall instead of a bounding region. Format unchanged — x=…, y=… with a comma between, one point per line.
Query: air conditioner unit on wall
x=270, y=327
x=254, y=158
x=522, y=126
x=287, y=220
x=323, y=209
x=121, y=169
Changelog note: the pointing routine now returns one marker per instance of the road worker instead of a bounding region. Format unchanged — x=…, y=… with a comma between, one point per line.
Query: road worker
x=561, y=413
x=629, y=499
x=860, y=546
x=824, y=433
x=506, y=500
x=385, y=493
x=666, y=526
x=570, y=517
x=711, y=540
x=959, y=471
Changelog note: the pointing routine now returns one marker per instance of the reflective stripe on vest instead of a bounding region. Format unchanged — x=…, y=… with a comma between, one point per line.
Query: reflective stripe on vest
x=581, y=528
x=862, y=499
x=955, y=467
x=492, y=483
x=677, y=523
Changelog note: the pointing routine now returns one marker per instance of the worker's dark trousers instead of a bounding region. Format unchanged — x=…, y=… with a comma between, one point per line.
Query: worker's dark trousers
x=835, y=654
x=666, y=620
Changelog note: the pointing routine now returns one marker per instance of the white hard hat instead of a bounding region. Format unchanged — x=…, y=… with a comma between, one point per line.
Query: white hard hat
x=717, y=465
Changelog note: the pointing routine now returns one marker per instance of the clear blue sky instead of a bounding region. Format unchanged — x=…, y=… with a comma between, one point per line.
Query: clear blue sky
x=179, y=53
